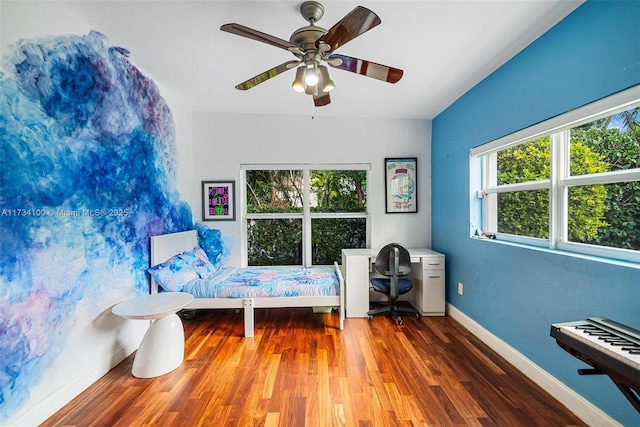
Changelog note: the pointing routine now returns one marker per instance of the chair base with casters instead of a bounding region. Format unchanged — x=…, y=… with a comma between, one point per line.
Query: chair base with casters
x=394, y=310
x=382, y=285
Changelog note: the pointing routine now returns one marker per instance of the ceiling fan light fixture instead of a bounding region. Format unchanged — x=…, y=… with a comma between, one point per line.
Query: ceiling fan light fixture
x=327, y=84
x=312, y=90
x=311, y=75
x=298, y=84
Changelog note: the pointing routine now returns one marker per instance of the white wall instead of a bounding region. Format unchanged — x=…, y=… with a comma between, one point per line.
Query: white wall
x=222, y=142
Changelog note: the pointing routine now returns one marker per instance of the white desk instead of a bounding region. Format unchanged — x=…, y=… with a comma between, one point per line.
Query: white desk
x=162, y=348
x=427, y=275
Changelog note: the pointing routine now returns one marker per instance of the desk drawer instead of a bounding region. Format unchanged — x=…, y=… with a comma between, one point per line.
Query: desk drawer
x=433, y=263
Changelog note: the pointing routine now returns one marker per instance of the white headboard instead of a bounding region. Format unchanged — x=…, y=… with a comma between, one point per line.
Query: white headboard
x=165, y=246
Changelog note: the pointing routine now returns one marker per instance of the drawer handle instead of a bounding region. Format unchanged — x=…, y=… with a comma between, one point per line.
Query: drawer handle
x=434, y=263
x=434, y=277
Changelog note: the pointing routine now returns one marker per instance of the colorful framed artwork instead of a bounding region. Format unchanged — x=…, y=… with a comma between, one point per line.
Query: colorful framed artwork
x=218, y=201
x=401, y=185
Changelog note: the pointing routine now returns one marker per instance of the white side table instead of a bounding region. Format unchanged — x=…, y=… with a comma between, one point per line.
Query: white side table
x=162, y=348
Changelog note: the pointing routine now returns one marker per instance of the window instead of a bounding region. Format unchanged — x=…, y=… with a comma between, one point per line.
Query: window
x=572, y=183
x=303, y=214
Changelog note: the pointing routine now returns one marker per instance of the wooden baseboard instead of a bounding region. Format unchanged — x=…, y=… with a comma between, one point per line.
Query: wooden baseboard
x=585, y=410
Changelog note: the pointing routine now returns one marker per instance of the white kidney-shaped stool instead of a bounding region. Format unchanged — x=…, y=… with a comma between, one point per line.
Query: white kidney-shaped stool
x=162, y=347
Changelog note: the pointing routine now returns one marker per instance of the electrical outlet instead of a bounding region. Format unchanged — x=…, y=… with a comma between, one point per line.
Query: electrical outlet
x=460, y=288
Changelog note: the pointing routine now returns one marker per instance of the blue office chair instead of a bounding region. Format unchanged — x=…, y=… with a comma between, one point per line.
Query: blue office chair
x=394, y=262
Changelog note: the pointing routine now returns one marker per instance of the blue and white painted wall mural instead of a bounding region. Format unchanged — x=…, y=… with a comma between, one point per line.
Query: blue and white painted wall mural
x=87, y=172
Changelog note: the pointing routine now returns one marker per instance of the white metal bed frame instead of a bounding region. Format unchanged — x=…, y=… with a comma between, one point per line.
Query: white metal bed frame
x=165, y=246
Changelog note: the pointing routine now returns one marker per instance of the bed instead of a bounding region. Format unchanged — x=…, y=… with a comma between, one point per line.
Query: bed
x=164, y=247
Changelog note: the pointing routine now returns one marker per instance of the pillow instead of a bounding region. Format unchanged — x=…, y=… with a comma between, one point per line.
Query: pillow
x=213, y=244
x=199, y=262
x=173, y=274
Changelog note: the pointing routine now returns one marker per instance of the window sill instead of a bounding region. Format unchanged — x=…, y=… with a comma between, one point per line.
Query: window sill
x=612, y=261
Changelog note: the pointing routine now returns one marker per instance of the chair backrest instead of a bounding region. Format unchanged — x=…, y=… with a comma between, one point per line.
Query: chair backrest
x=385, y=260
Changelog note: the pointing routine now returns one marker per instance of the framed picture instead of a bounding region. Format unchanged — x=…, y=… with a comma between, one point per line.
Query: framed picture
x=401, y=182
x=218, y=201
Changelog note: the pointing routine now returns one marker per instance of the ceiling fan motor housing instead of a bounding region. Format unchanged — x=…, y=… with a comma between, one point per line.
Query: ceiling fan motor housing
x=306, y=37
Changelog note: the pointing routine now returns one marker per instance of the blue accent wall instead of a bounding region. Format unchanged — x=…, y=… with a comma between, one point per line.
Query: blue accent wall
x=516, y=292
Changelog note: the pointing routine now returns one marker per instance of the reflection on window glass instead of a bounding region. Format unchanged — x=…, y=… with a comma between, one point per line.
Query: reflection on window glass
x=274, y=241
x=274, y=191
x=338, y=190
x=524, y=213
x=330, y=235
x=525, y=162
x=605, y=215
x=609, y=144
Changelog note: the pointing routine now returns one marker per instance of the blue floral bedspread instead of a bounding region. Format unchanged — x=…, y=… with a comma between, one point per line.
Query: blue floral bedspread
x=254, y=282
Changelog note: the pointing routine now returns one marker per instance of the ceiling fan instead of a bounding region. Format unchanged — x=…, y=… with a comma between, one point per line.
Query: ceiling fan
x=313, y=46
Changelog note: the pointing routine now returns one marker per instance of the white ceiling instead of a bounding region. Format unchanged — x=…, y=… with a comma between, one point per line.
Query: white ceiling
x=444, y=48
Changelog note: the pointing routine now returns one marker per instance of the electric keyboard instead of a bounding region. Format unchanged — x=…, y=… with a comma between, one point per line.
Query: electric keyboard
x=609, y=347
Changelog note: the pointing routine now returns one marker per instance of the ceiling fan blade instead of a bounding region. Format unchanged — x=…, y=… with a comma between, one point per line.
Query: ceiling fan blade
x=321, y=100
x=264, y=76
x=356, y=22
x=366, y=68
x=241, y=30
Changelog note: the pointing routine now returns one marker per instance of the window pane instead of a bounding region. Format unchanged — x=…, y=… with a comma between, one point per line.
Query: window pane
x=605, y=215
x=524, y=213
x=526, y=162
x=274, y=242
x=330, y=235
x=274, y=191
x=608, y=144
x=338, y=191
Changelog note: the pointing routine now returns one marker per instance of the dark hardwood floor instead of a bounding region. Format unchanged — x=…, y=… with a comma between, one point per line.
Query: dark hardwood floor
x=300, y=370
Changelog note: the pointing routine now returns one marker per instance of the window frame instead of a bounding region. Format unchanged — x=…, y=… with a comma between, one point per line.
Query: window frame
x=306, y=215
x=484, y=189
